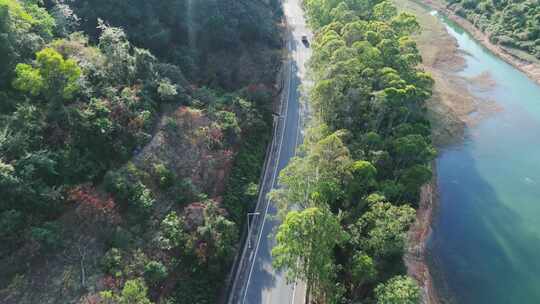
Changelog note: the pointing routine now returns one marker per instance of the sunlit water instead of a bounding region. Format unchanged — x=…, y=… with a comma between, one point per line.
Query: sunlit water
x=486, y=239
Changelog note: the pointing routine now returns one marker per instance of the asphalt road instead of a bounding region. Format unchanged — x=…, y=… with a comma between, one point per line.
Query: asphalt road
x=257, y=282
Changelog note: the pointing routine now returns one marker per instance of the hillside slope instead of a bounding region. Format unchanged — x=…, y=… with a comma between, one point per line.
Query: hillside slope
x=128, y=160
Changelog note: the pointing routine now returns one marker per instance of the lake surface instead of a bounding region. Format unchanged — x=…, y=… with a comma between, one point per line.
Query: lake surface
x=486, y=239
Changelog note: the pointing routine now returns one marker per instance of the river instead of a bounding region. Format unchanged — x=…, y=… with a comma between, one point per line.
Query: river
x=485, y=245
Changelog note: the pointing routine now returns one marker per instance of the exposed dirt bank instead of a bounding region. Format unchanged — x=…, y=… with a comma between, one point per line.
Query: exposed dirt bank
x=415, y=258
x=531, y=69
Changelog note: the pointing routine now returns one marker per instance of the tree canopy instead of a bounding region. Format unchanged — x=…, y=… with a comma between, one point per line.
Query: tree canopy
x=305, y=244
x=368, y=150
x=53, y=76
x=398, y=290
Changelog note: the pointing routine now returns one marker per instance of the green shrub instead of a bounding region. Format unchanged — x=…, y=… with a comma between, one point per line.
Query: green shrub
x=117, y=184
x=112, y=262
x=165, y=178
x=49, y=235
x=134, y=292
x=172, y=232
x=120, y=238
x=10, y=222
x=398, y=290
x=242, y=187
x=155, y=272
x=142, y=199
x=185, y=191
x=126, y=186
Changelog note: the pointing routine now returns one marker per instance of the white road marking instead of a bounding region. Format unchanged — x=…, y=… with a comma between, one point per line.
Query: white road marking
x=274, y=174
x=300, y=121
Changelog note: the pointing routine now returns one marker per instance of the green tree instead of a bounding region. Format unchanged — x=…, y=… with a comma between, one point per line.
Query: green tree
x=218, y=233
x=405, y=24
x=25, y=27
x=120, y=63
x=382, y=230
x=412, y=149
x=305, y=244
x=49, y=235
x=413, y=178
x=53, y=76
x=11, y=221
x=398, y=290
x=155, y=272
x=384, y=11
x=362, y=269
x=366, y=83
x=319, y=177
x=172, y=231
x=364, y=178
x=134, y=292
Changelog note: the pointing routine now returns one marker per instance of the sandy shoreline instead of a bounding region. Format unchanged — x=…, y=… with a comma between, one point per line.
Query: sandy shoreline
x=532, y=70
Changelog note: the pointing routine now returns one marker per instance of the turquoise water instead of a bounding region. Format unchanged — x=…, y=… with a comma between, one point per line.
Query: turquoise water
x=486, y=239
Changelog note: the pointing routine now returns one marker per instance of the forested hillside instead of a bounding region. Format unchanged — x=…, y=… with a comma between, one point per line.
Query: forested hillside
x=356, y=181
x=132, y=134
x=216, y=42
x=511, y=23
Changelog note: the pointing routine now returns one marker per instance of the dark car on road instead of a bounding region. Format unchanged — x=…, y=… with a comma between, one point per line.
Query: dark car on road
x=305, y=40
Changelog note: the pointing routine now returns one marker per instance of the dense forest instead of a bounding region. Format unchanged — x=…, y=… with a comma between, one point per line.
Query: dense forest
x=132, y=134
x=368, y=151
x=511, y=23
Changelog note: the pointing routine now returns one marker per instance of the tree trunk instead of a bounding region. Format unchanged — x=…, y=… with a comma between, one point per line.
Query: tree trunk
x=308, y=291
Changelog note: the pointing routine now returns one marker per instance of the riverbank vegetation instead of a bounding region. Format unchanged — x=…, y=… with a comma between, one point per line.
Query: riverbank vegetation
x=131, y=140
x=365, y=156
x=514, y=24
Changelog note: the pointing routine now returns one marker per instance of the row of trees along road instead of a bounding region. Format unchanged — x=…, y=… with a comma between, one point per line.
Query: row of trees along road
x=356, y=179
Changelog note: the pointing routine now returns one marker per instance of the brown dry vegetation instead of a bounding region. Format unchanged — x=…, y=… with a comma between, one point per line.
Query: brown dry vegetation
x=184, y=137
x=184, y=143
x=181, y=142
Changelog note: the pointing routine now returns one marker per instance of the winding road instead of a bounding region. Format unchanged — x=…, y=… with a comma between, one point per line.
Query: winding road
x=256, y=281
